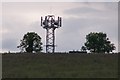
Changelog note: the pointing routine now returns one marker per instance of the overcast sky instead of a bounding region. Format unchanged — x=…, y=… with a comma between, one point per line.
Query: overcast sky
x=78, y=20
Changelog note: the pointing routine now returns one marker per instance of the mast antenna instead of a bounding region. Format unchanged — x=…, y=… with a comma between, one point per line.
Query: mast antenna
x=50, y=24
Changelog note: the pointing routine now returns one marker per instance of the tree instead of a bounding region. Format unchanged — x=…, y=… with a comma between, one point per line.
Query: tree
x=31, y=42
x=83, y=49
x=98, y=42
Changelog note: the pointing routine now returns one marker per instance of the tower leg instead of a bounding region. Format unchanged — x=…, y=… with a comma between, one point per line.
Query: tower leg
x=50, y=40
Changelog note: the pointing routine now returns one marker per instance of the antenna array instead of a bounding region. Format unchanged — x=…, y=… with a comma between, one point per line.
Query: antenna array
x=50, y=24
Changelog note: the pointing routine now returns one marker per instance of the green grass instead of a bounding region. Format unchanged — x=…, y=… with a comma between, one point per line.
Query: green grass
x=60, y=65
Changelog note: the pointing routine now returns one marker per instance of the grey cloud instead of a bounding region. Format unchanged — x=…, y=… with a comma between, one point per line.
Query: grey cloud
x=119, y=26
x=9, y=44
x=81, y=10
x=74, y=24
x=16, y=31
x=73, y=31
x=94, y=10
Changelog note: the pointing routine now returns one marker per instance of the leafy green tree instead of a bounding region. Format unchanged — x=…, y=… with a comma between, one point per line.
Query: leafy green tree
x=98, y=42
x=31, y=42
x=83, y=49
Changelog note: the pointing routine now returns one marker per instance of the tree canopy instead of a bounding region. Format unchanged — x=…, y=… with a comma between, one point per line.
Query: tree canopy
x=83, y=49
x=31, y=42
x=98, y=42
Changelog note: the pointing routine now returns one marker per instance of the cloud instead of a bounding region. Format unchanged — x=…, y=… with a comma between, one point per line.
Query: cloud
x=76, y=30
x=13, y=32
x=81, y=10
x=119, y=26
x=60, y=1
x=9, y=44
x=79, y=19
x=93, y=10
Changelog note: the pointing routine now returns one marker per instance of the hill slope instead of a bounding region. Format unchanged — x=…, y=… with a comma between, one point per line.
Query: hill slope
x=59, y=65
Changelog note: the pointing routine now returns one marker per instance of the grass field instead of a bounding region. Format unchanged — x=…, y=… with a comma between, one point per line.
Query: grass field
x=59, y=65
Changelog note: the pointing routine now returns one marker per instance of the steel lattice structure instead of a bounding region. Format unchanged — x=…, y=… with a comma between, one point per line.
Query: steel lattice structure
x=50, y=24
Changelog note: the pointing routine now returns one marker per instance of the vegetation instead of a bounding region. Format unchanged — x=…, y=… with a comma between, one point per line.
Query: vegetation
x=59, y=65
x=31, y=42
x=98, y=43
x=83, y=49
x=75, y=64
